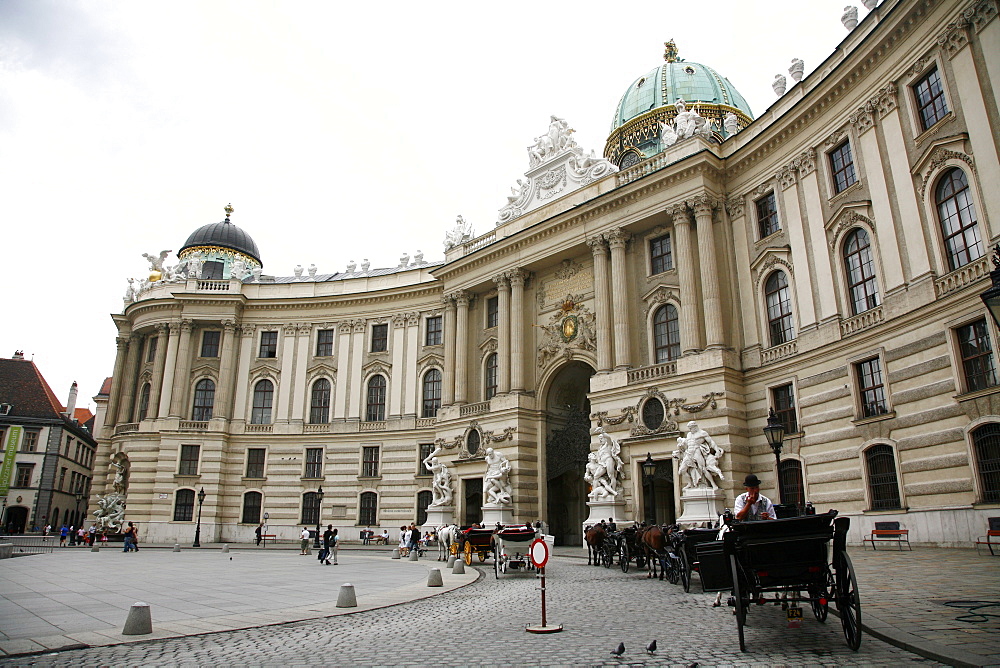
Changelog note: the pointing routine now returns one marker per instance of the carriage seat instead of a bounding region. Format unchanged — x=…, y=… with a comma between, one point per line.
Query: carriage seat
x=888, y=532
x=992, y=537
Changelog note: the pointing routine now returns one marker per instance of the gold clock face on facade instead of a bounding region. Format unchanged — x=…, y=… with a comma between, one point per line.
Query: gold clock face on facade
x=569, y=326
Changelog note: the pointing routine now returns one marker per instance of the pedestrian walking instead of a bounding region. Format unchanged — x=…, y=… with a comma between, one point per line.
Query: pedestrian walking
x=128, y=537
x=403, y=535
x=324, y=555
x=304, y=538
x=334, y=547
x=63, y=534
x=81, y=536
x=92, y=534
x=260, y=533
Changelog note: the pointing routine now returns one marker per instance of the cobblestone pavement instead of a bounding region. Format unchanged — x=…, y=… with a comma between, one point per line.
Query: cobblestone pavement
x=483, y=624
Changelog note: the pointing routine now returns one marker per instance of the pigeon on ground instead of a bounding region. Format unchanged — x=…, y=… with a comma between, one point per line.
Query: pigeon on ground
x=620, y=650
x=651, y=647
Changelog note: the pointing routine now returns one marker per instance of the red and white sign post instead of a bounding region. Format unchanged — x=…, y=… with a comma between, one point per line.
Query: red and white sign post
x=539, y=555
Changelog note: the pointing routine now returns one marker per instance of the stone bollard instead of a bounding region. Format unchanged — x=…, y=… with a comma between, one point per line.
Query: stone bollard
x=346, y=598
x=139, y=621
x=451, y=561
x=414, y=555
x=395, y=553
x=94, y=548
x=177, y=547
x=434, y=578
x=225, y=548
x=459, y=568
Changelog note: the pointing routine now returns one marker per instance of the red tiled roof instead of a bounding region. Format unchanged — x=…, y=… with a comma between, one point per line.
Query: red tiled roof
x=83, y=415
x=105, y=387
x=23, y=387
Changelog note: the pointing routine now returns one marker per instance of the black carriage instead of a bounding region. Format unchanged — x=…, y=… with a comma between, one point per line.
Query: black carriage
x=476, y=540
x=628, y=548
x=510, y=548
x=791, y=559
x=688, y=552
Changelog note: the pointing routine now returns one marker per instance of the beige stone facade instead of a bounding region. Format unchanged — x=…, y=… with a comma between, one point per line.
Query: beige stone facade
x=800, y=272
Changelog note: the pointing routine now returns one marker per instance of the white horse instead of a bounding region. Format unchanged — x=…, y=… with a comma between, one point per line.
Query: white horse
x=447, y=536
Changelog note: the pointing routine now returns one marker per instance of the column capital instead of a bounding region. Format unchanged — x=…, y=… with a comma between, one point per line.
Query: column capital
x=617, y=238
x=359, y=325
x=121, y=342
x=448, y=301
x=229, y=326
x=462, y=298
x=412, y=319
x=598, y=245
x=703, y=205
x=679, y=213
x=502, y=280
x=247, y=329
x=734, y=205
x=187, y=325
x=303, y=328
x=160, y=328
x=518, y=277
x=398, y=320
x=135, y=336
x=289, y=328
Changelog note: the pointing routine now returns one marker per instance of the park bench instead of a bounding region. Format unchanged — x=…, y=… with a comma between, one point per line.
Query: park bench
x=269, y=536
x=992, y=537
x=888, y=532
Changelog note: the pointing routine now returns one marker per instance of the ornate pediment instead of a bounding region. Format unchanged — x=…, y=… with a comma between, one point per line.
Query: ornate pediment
x=321, y=368
x=847, y=216
x=659, y=295
x=264, y=365
x=375, y=366
x=950, y=150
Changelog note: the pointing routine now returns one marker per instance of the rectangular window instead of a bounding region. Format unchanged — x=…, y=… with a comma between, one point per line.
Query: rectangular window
x=62, y=478
x=324, y=343
x=189, y=460
x=23, y=476
x=255, y=462
x=29, y=442
x=435, y=331
x=369, y=461
x=151, y=352
x=268, y=344
x=660, y=254
x=251, y=507
x=977, y=356
x=784, y=408
x=767, y=215
x=369, y=505
x=842, y=164
x=930, y=99
x=184, y=505
x=425, y=451
x=380, y=338
x=871, y=387
x=492, y=312
x=210, y=344
x=314, y=462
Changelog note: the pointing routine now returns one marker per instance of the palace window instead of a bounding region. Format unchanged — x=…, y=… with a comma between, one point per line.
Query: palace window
x=263, y=399
x=184, y=505
x=268, y=344
x=842, y=164
x=151, y=351
x=792, y=489
x=369, y=461
x=255, y=462
x=424, y=499
x=492, y=312
x=871, y=387
x=978, y=366
x=666, y=334
x=986, y=444
x=957, y=216
x=319, y=403
x=189, y=460
x=367, y=515
x=930, y=99
x=314, y=463
x=23, y=476
x=251, y=507
x=435, y=331
x=380, y=338
x=375, y=409
x=767, y=215
x=143, y=403
x=310, y=509
x=425, y=450
x=490, y=389
x=324, y=343
x=784, y=407
x=660, y=254
x=210, y=343
x=883, y=484
x=432, y=393
x=861, y=283
x=204, y=400
x=779, y=309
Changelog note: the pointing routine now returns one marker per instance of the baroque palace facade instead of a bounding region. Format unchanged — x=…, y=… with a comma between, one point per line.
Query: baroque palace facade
x=825, y=259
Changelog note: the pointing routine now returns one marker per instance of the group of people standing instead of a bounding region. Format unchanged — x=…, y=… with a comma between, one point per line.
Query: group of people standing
x=75, y=535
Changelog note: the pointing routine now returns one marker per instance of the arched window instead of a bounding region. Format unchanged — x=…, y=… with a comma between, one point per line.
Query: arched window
x=666, y=334
x=310, y=509
x=423, y=500
x=140, y=413
x=883, y=484
x=779, y=309
x=319, y=404
x=861, y=283
x=958, y=221
x=263, y=398
x=792, y=490
x=367, y=512
x=184, y=505
x=376, y=399
x=251, y=507
x=204, y=399
x=432, y=393
x=55, y=521
x=490, y=386
x=986, y=443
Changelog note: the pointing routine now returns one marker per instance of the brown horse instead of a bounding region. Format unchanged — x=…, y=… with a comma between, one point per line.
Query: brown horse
x=654, y=543
x=594, y=536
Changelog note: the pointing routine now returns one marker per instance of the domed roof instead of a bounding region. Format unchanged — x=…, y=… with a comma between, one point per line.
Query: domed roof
x=223, y=235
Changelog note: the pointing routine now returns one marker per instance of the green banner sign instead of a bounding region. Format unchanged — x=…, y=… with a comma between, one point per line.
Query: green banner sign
x=13, y=440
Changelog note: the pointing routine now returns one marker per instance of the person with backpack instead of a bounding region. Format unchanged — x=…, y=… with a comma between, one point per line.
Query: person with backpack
x=129, y=535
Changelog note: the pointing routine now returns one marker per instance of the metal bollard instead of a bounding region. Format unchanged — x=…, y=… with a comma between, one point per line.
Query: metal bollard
x=434, y=578
x=346, y=598
x=395, y=553
x=459, y=568
x=139, y=621
x=177, y=547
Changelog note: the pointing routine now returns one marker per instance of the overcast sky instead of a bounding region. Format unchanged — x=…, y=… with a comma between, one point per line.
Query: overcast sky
x=338, y=130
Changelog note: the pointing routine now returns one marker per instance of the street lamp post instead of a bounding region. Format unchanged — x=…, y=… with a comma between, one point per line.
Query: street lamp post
x=648, y=470
x=991, y=297
x=79, y=500
x=197, y=531
x=774, y=432
x=319, y=514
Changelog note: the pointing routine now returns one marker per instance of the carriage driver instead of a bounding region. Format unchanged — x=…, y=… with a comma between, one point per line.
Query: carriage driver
x=752, y=505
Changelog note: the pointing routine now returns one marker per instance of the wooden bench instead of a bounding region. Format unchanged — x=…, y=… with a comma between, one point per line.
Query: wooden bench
x=273, y=537
x=888, y=532
x=992, y=537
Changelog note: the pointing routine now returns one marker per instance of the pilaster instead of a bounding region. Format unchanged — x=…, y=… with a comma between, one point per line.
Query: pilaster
x=605, y=345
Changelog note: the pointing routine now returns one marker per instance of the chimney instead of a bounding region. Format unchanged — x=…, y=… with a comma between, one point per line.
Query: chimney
x=71, y=402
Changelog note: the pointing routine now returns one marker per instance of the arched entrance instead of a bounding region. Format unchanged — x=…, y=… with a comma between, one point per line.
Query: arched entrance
x=16, y=520
x=567, y=444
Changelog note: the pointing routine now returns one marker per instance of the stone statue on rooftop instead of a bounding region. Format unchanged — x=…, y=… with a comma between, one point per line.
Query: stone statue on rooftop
x=460, y=233
x=731, y=124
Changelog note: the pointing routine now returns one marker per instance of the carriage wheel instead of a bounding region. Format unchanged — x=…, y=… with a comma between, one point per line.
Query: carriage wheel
x=849, y=602
x=503, y=563
x=623, y=557
x=453, y=549
x=820, y=611
x=741, y=605
x=673, y=568
x=482, y=556
x=685, y=572
x=607, y=555
x=468, y=554
x=496, y=561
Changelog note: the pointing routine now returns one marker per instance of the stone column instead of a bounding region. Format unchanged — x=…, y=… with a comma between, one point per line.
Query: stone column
x=224, y=391
x=159, y=362
x=448, y=377
x=461, y=346
x=182, y=370
x=619, y=301
x=128, y=378
x=303, y=350
x=503, y=333
x=117, y=380
x=517, y=279
x=714, y=336
x=690, y=301
x=247, y=335
x=397, y=388
x=169, y=365
x=605, y=347
x=286, y=361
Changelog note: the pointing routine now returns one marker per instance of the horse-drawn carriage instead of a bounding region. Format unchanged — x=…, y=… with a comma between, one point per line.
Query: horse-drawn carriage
x=475, y=540
x=785, y=557
x=510, y=548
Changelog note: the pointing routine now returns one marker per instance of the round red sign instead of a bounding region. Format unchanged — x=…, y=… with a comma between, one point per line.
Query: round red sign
x=539, y=553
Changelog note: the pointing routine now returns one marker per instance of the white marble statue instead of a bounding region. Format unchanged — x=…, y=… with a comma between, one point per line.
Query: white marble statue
x=869, y=4
x=110, y=514
x=297, y=271
x=194, y=264
x=796, y=69
x=460, y=233
x=130, y=291
x=850, y=17
x=441, y=489
x=239, y=270
x=687, y=123
x=156, y=263
x=120, y=483
x=699, y=458
x=497, y=489
x=779, y=84
x=404, y=260
x=365, y=264
x=604, y=468
x=257, y=271
x=418, y=257
x=351, y=266
x=731, y=124
x=557, y=138
x=312, y=271
x=667, y=134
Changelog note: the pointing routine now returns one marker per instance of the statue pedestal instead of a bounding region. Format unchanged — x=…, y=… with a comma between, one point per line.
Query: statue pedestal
x=603, y=510
x=493, y=513
x=701, y=505
x=438, y=516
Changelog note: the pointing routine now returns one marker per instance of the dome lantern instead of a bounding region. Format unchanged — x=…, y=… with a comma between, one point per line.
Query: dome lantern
x=222, y=248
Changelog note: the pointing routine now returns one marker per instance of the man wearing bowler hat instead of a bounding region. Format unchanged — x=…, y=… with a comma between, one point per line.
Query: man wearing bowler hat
x=752, y=505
